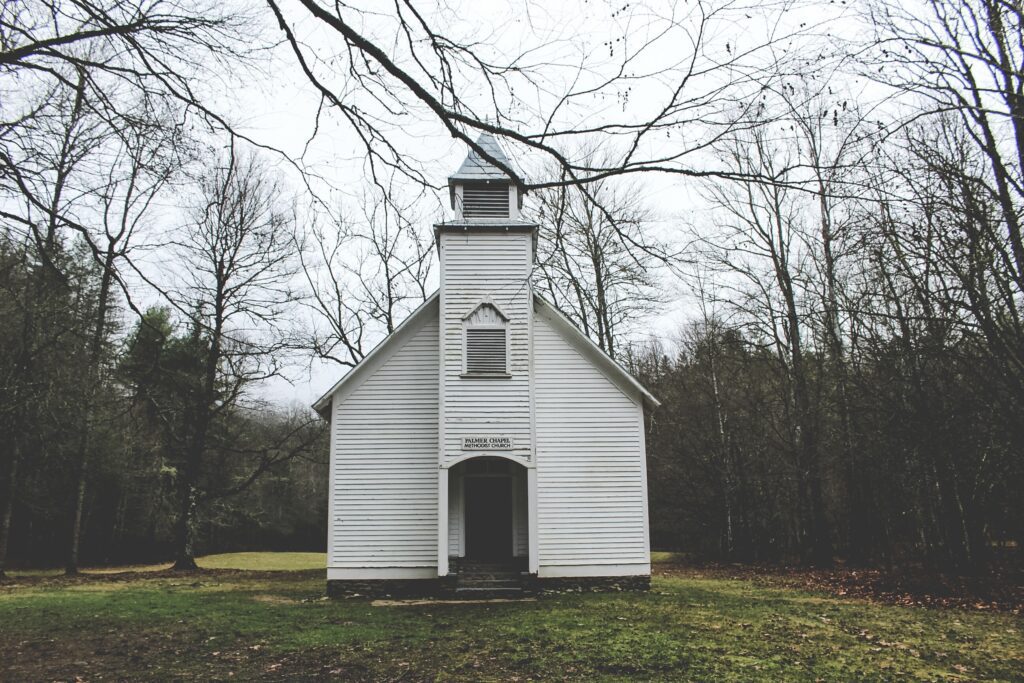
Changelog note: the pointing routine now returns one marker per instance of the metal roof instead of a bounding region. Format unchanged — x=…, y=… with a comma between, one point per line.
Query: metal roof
x=475, y=167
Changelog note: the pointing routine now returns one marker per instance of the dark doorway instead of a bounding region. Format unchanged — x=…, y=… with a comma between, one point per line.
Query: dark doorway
x=488, y=518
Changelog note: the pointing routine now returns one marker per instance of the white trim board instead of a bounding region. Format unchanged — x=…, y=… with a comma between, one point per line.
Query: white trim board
x=571, y=571
x=371, y=573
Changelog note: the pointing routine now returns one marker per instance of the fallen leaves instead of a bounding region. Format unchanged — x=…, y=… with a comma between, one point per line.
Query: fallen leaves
x=1001, y=590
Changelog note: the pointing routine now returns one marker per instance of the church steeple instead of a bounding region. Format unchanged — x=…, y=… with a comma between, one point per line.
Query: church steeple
x=482, y=192
x=486, y=254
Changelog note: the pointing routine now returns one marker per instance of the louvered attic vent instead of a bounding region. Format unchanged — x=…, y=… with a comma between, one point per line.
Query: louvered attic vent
x=485, y=351
x=485, y=201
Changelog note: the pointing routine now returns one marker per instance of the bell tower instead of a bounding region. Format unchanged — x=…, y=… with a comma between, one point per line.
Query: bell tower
x=486, y=253
x=481, y=192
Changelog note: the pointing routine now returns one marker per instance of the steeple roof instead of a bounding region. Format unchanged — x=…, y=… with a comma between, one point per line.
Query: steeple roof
x=475, y=167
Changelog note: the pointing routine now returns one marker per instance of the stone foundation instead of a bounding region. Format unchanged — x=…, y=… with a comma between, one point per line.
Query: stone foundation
x=445, y=587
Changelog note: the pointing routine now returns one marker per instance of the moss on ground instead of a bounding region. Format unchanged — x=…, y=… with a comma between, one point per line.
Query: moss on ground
x=224, y=624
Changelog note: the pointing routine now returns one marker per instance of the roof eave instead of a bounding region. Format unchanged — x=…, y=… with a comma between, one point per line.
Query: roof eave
x=646, y=396
x=496, y=177
x=323, y=404
x=486, y=224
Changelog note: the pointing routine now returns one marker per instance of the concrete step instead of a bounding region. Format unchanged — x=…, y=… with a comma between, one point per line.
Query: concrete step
x=486, y=577
x=489, y=577
x=487, y=570
x=489, y=584
x=490, y=592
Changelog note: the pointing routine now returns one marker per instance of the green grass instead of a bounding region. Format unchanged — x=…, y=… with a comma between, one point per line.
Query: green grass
x=237, y=625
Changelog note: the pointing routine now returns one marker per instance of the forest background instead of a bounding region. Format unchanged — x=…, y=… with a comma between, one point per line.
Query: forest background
x=798, y=223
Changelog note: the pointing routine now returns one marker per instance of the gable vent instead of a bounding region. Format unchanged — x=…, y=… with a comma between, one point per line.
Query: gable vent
x=485, y=350
x=485, y=201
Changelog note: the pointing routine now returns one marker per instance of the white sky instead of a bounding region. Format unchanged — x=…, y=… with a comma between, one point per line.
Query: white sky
x=276, y=105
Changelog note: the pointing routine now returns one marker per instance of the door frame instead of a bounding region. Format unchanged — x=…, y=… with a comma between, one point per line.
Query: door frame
x=443, y=514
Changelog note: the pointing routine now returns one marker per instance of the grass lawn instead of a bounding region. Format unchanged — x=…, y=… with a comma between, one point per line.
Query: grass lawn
x=262, y=615
x=248, y=561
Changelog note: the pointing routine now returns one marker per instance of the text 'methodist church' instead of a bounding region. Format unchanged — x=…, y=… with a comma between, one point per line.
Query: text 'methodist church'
x=487, y=430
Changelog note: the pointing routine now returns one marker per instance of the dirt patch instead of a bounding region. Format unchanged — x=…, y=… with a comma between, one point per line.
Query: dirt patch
x=274, y=600
x=487, y=601
x=999, y=591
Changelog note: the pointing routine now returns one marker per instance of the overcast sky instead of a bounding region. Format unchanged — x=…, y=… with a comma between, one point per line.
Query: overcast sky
x=581, y=40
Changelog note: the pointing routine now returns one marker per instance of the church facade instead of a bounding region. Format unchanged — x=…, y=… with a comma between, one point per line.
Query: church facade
x=486, y=429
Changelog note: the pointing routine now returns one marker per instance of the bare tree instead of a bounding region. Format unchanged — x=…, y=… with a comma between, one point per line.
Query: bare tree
x=827, y=128
x=940, y=281
x=959, y=62
x=366, y=273
x=140, y=162
x=706, y=341
x=597, y=257
x=57, y=151
x=238, y=273
x=382, y=65
x=73, y=76
x=107, y=57
x=760, y=251
x=951, y=229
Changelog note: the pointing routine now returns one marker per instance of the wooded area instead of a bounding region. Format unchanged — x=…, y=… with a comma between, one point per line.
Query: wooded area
x=849, y=383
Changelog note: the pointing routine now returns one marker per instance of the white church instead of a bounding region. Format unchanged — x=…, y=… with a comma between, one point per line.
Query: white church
x=487, y=443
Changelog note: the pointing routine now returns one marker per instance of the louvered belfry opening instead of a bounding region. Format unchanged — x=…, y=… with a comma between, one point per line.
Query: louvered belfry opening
x=485, y=200
x=485, y=351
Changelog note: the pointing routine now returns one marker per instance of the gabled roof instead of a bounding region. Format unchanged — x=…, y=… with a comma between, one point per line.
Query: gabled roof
x=587, y=348
x=475, y=167
x=379, y=352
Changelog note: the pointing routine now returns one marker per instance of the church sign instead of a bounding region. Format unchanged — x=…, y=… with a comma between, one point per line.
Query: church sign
x=487, y=443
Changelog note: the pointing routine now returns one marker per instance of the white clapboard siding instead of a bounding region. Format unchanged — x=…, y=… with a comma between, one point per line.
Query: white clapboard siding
x=455, y=521
x=493, y=268
x=591, y=501
x=384, y=468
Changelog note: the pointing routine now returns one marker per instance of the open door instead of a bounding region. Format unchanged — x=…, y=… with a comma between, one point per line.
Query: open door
x=488, y=510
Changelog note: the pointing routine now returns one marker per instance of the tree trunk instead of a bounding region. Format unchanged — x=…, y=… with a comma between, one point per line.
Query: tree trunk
x=723, y=443
x=184, y=528
x=5, y=519
x=71, y=568
x=188, y=491
x=815, y=546
x=201, y=412
x=93, y=376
